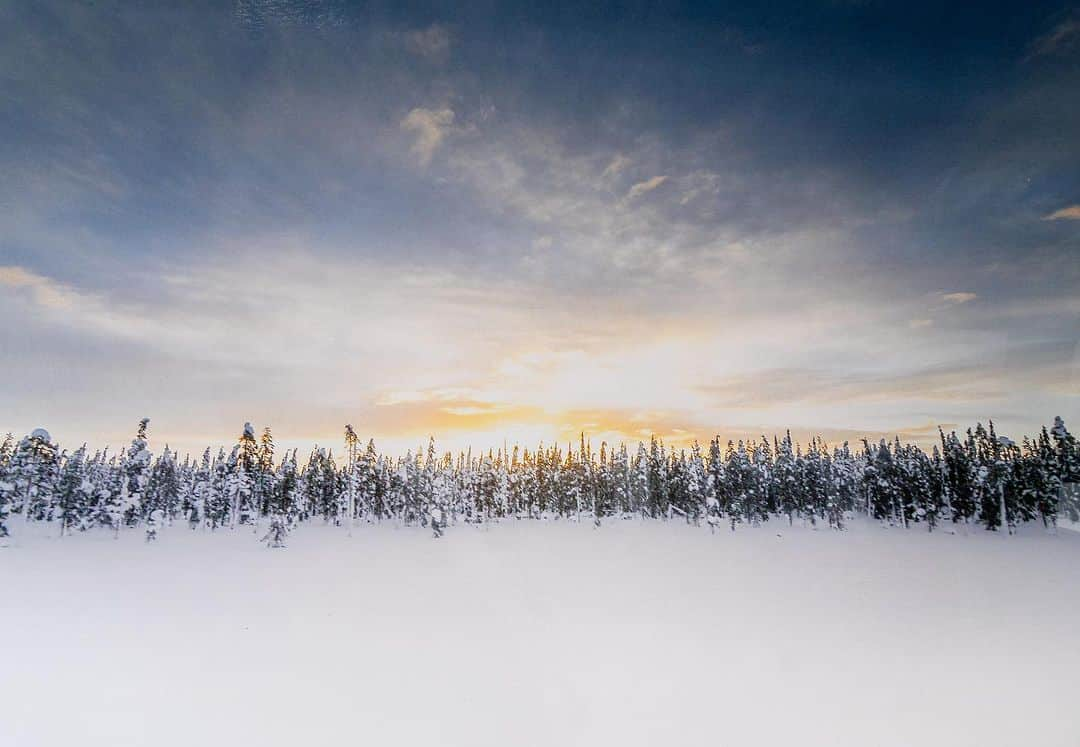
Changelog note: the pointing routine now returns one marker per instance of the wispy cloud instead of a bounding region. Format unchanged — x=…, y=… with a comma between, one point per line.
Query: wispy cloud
x=959, y=297
x=1066, y=213
x=44, y=291
x=618, y=163
x=1062, y=38
x=432, y=43
x=646, y=186
x=430, y=126
x=989, y=378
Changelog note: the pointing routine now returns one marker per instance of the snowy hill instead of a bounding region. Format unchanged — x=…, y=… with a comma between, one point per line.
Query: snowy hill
x=542, y=633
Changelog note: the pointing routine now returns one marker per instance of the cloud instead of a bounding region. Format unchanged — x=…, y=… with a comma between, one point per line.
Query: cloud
x=432, y=43
x=45, y=292
x=646, y=186
x=469, y=422
x=1061, y=38
x=958, y=298
x=60, y=304
x=618, y=163
x=973, y=380
x=430, y=127
x=1067, y=213
x=460, y=423
x=920, y=323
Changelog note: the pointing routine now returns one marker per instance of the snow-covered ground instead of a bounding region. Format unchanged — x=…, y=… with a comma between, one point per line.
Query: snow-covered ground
x=542, y=634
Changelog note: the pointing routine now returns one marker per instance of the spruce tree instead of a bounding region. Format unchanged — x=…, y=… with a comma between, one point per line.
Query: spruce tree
x=282, y=503
x=71, y=494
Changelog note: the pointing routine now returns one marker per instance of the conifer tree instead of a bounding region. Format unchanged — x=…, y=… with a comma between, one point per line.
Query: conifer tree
x=786, y=469
x=264, y=473
x=7, y=482
x=351, y=468
x=34, y=470
x=162, y=491
x=244, y=473
x=71, y=493
x=201, y=492
x=136, y=472
x=1048, y=483
x=282, y=503
x=657, y=479
x=763, y=460
x=217, y=499
x=1067, y=450
x=640, y=491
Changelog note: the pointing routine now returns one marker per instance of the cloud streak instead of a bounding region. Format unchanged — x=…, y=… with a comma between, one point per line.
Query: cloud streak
x=1072, y=212
x=1061, y=39
x=959, y=298
x=637, y=190
x=432, y=43
x=44, y=292
x=430, y=126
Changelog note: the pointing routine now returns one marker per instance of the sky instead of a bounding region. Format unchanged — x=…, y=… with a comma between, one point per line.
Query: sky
x=503, y=221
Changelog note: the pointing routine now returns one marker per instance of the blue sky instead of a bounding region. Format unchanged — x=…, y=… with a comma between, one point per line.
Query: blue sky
x=528, y=220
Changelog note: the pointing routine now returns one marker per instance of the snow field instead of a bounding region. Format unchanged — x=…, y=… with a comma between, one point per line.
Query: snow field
x=542, y=633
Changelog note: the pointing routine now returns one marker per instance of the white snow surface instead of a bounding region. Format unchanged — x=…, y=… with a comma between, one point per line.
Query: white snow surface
x=534, y=633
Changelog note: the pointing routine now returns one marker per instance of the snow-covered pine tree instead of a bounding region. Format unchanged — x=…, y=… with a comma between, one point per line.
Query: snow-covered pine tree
x=237, y=487
x=264, y=473
x=1049, y=483
x=640, y=486
x=201, y=491
x=162, y=492
x=7, y=482
x=698, y=486
x=844, y=485
x=425, y=475
x=677, y=489
x=959, y=476
x=136, y=472
x=217, y=495
x=1068, y=468
x=731, y=492
x=880, y=482
x=624, y=483
x=814, y=484
x=34, y=471
x=1068, y=451
x=71, y=497
x=351, y=468
x=244, y=474
x=658, y=479
x=786, y=479
x=282, y=505
x=106, y=475
x=367, y=487
x=716, y=491
x=763, y=462
x=502, y=482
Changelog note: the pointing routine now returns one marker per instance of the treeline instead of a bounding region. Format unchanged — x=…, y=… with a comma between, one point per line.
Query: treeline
x=978, y=478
